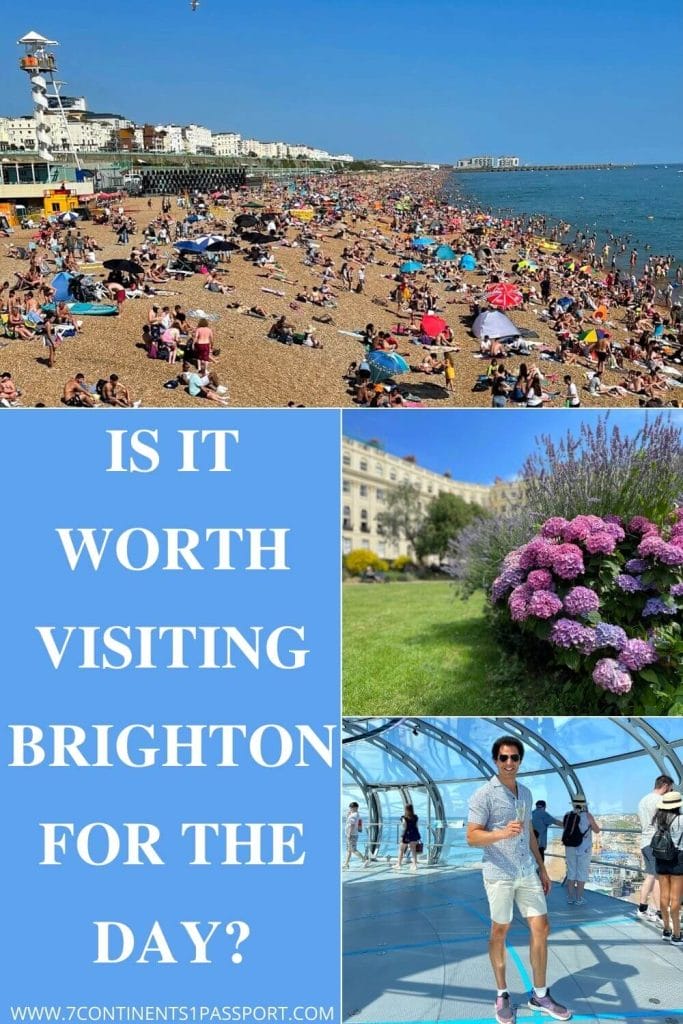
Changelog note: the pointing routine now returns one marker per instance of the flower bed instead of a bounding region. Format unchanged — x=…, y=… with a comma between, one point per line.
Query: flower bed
x=605, y=599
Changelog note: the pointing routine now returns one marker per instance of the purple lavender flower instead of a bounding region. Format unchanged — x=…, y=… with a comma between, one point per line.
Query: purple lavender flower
x=581, y=601
x=567, y=561
x=655, y=606
x=600, y=543
x=554, y=527
x=677, y=590
x=636, y=654
x=568, y=633
x=540, y=579
x=609, y=675
x=637, y=565
x=543, y=604
x=630, y=584
x=607, y=635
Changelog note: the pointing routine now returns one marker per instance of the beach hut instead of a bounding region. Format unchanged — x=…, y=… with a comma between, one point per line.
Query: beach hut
x=467, y=262
x=493, y=324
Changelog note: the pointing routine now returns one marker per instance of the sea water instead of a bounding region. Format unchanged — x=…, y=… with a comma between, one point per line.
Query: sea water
x=644, y=203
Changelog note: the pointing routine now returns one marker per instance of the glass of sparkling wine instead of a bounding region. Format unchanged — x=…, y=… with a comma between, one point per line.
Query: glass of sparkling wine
x=520, y=815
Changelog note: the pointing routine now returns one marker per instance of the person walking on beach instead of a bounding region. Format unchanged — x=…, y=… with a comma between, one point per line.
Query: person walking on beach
x=410, y=837
x=667, y=843
x=499, y=823
x=647, y=808
x=353, y=826
x=577, y=838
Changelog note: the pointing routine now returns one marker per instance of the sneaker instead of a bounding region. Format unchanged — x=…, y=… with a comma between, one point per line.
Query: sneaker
x=666, y=936
x=580, y=902
x=677, y=941
x=570, y=903
x=546, y=1004
x=504, y=1012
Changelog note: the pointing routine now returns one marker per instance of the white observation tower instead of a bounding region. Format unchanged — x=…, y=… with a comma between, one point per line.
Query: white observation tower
x=39, y=65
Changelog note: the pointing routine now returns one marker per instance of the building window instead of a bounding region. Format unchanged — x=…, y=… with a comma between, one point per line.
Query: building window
x=363, y=465
x=379, y=469
x=392, y=475
x=365, y=544
x=382, y=550
x=347, y=524
x=347, y=545
x=381, y=494
x=429, y=489
x=363, y=490
x=347, y=487
x=346, y=460
x=364, y=524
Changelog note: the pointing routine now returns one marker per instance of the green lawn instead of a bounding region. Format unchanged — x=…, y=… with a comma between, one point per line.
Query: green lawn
x=415, y=649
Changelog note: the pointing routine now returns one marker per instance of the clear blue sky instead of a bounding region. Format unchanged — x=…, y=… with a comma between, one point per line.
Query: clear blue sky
x=476, y=445
x=594, y=80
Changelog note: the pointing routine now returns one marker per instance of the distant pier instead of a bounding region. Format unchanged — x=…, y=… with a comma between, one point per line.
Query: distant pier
x=542, y=167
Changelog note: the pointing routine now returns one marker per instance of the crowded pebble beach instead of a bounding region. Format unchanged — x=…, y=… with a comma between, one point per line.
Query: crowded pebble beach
x=339, y=290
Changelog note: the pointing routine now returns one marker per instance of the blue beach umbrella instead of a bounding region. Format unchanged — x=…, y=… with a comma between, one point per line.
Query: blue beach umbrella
x=423, y=242
x=384, y=365
x=189, y=247
x=444, y=252
x=565, y=302
x=410, y=267
x=467, y=262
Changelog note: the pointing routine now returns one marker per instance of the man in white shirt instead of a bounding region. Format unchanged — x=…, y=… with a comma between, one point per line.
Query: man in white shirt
x=646, y=812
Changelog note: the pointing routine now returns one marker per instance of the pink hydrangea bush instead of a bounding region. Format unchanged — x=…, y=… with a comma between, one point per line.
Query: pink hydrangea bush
x=606, y=598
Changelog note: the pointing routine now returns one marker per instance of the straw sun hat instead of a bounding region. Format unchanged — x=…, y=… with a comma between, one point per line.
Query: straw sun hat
x=670, y=801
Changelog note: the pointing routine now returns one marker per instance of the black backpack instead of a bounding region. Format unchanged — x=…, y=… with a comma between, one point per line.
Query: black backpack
x=663, y=846
x=571, y=833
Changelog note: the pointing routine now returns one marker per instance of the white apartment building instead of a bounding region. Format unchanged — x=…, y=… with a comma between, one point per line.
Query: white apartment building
x=20, y=132
x=226, y=143
x=197, y=139
x=507, y=161
x=368, y=473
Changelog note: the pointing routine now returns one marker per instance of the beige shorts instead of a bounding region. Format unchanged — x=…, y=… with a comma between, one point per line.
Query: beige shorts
x=526, y=892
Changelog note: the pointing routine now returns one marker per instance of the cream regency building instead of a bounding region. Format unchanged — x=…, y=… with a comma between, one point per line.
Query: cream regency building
x=369, y=473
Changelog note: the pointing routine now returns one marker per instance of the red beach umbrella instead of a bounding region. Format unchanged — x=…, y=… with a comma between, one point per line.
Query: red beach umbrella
x=432, y=325
x=503, y=295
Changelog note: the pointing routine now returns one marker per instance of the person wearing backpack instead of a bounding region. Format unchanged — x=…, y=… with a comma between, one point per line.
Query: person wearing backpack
x=647, y=808
x=577, y=839
x=667, y=843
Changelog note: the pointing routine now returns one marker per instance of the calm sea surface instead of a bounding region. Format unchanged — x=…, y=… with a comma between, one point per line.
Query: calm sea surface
x=644, y=203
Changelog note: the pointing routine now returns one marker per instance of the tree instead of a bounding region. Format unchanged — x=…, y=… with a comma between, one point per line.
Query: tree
x=404, y=515
x=446, y=517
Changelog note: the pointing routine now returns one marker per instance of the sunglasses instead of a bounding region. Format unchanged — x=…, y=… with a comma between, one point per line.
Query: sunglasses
x=509, y=757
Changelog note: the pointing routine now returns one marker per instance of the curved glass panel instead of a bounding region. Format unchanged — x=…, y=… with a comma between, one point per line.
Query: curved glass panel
x=613, y=767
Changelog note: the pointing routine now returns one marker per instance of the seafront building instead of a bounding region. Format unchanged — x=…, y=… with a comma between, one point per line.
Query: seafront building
x=74, y=126
x=369, y=473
